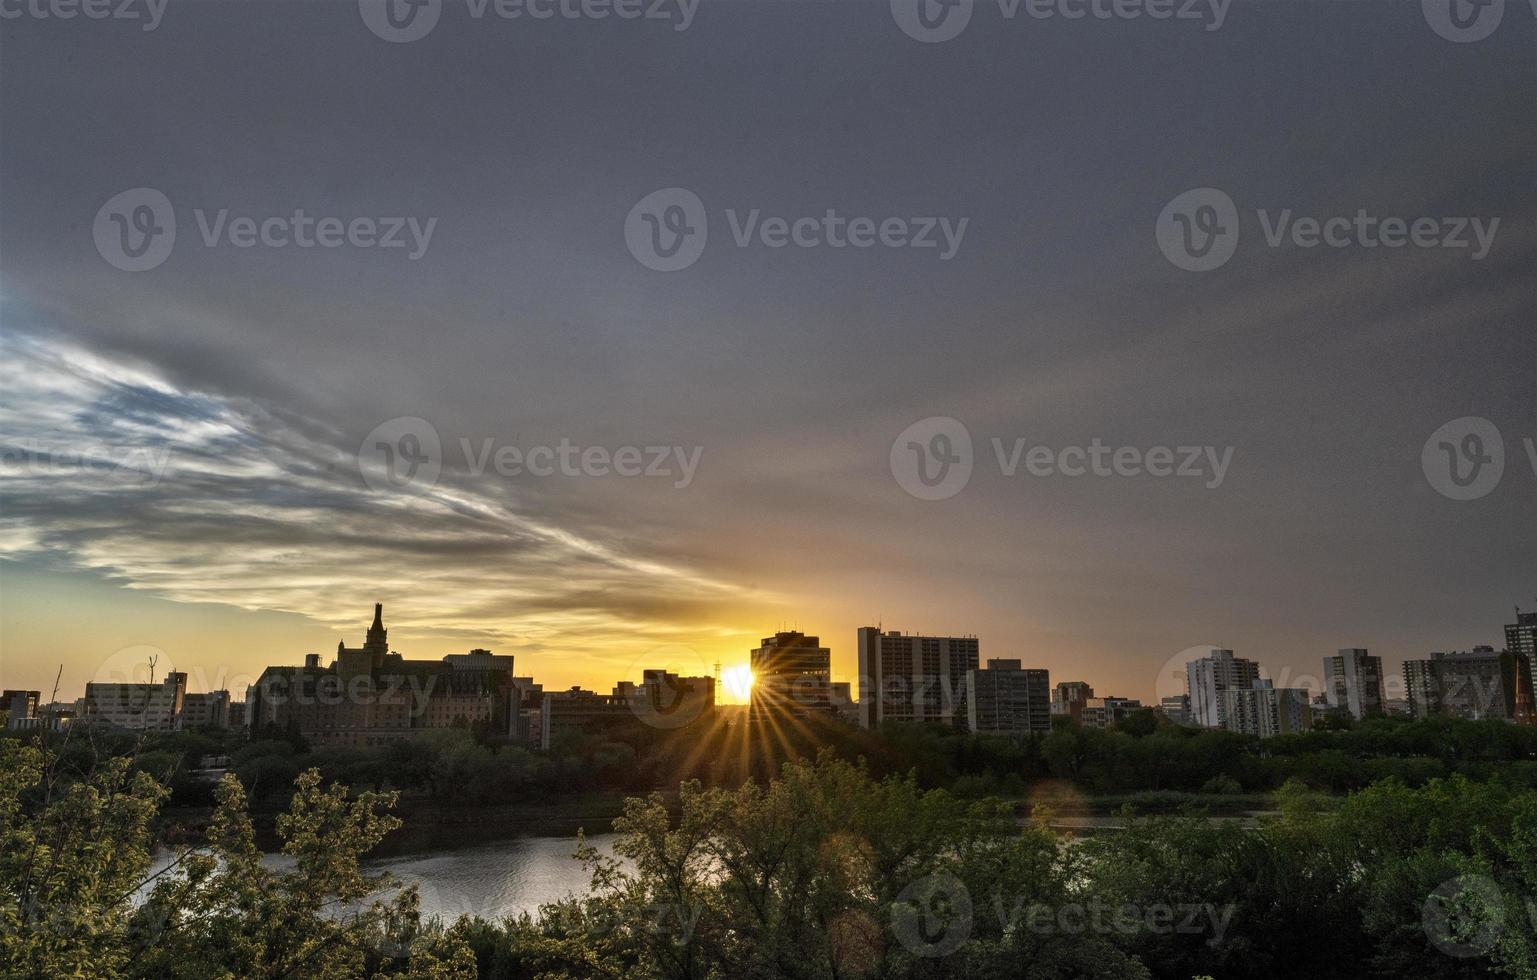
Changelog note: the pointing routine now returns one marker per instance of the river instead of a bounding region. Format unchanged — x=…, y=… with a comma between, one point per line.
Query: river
x=492, y=879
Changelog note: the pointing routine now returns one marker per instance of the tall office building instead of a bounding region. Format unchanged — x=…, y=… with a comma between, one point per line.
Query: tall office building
x=792, y=675
x=1209, y=676
x=1353, y=682
x=1006, y=699
x=1420, y=690
x=907, y=677
x=139, y=707
x=1267, y=711
x=1521, y=639
x=1475, y=685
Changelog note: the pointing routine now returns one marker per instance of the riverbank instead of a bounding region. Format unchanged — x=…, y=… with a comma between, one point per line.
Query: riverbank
x=429, y=825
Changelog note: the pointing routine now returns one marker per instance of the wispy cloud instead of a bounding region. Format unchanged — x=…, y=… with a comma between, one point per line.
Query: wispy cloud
x=200, y=497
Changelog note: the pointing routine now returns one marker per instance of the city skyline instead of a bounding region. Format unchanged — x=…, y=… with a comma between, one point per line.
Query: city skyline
x=131, y=664
x=244, y=386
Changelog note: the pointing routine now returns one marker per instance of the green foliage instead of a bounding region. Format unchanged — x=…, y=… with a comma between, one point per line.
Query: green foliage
x=1222, y=784
x=71, y=855
x=76, y=898
x=1397, y=849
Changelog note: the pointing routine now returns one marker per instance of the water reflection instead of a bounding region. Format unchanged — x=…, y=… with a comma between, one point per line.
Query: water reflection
x=491, y=880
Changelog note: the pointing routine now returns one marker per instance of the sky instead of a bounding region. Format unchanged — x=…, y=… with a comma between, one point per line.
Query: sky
x=222, y=448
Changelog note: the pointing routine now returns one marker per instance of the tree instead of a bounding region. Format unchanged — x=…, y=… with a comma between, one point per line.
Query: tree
x=74, y=855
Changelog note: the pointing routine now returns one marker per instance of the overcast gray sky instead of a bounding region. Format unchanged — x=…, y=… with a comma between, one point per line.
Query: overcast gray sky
x=247, y=378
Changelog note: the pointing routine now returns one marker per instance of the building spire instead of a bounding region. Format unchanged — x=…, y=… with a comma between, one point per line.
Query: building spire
x=377, y=643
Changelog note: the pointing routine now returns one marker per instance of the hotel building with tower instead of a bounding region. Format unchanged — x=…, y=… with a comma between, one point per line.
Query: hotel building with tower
x=370, y=695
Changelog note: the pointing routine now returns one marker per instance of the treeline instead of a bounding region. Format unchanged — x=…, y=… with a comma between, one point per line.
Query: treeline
x=823, y=872
x=468, y=766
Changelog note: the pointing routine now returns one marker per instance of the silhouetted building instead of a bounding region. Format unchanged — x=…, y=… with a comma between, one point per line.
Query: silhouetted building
x=1069, y=697
x=1266, y=710
x=210, y=710
x=371, y=696
x=792, y=674
x=1007, y=699
x=907, y=677
x=1107, y=712
x=1353, y=682
x=841, y=695
x=1176, y=708
x=1475, y=685
x=136, y=707
x=579, y=712
x=662, y=700
x=1521, y=639
x=524, y=723
x=1207, y=677
x=20, y=707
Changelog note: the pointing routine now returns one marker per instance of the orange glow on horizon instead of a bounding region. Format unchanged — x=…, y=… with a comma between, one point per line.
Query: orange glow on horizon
x=737, y=682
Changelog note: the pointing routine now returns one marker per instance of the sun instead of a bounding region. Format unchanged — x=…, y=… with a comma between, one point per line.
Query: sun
x=737, y=680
